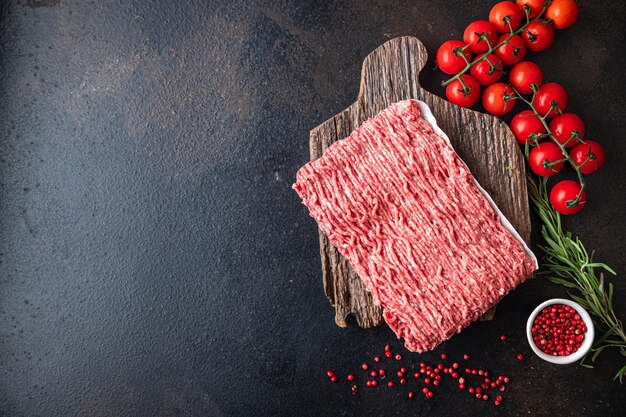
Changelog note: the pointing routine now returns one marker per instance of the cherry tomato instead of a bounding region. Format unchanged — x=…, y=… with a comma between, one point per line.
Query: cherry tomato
x=450, y=56
x=487, y=71
x=525, y=74
x=535, y=6
x=542, y=155
x=564, y=192
x=563, y=13
x=494, y=100
x=524, y=124
x=503, y=12
x=563, y=125
x=472, y=34
x=548, y=93
x=464, y=97
x=512, y=52
x=538, y=36
x=590, y=156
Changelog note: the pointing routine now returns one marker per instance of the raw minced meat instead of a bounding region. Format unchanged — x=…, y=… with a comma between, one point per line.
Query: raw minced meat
x=403, y=208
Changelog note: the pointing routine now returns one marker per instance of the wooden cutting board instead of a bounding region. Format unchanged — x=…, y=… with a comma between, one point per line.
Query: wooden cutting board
x=487, y=145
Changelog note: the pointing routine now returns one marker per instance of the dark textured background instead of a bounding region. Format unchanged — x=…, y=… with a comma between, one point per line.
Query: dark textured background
x=154, y=260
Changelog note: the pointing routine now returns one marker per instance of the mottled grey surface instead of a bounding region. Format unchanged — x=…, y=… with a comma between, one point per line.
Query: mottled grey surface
x=154, y=260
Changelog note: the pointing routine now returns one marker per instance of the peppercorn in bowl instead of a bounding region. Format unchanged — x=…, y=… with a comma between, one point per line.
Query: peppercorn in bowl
x=560, y=331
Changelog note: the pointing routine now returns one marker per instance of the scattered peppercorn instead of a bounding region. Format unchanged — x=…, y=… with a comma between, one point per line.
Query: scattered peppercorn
x=433, y=376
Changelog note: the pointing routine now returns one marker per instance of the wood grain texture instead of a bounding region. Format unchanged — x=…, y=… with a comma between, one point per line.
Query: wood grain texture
x=390, y=74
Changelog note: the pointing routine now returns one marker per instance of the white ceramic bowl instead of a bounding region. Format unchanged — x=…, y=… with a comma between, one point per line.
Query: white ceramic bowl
x=584, y=347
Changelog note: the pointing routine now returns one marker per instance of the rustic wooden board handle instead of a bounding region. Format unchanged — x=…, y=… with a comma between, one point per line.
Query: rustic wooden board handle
x=391, y=74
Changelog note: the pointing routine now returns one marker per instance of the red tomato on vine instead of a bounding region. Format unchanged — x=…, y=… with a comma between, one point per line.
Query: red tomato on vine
x=487, y=71
x=450, y=56
x=480, y=36
x=524, y=124
x=546, y=159
x=564, y=194
x=496, y=99
x=590, y=156
x=505, y=17
x=534, y=6
x=511, y=52
x=549, y=94
x=464, y=96
x=538, y=36
x=563, y=13
x=563, y=126
x=525, y=74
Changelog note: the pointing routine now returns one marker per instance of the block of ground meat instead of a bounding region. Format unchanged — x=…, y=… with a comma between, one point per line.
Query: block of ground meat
x=406, y=212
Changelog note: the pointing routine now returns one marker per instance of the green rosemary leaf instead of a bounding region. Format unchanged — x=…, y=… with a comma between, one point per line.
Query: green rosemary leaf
x=620, y=374
x=606, y=335
x=601, y=265
x=597, y=351
x=562, y=282
x=579, y=300
x=607, y=268
x=615, y=343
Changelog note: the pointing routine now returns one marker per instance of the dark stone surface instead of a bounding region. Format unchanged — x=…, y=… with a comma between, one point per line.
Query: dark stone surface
x=154, y=260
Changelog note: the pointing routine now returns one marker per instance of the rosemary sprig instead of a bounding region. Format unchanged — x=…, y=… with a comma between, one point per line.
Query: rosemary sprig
x=569, y=264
